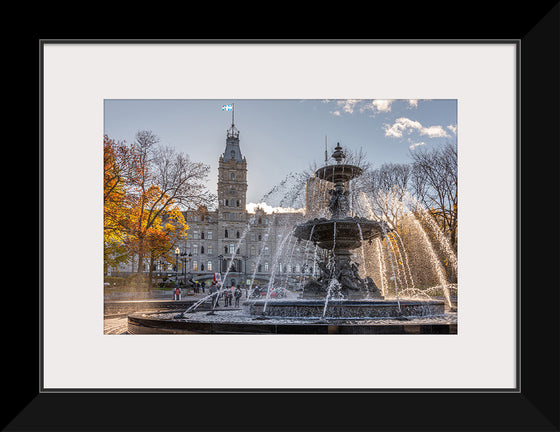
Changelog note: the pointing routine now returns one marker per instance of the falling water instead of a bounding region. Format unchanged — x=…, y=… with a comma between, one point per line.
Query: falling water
x=363, y=255
x=400, y=262
x=393, y=269
x=381, y=269
x=289, y=264
x=333, y=283
x=406, y=261
x=279, y=250
x=441, y=237
x=333, y=269
x=199, y=302
x=306, y=254
x=440, y=272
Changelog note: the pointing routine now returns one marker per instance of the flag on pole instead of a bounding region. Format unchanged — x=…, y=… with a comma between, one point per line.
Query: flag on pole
x=228, y=107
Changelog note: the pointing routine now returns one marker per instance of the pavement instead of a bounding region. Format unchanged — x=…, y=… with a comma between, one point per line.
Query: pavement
x=116, y=311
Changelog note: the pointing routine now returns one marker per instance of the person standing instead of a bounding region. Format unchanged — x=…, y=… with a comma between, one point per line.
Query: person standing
x=214, y=293
x=237, y=294
x=227, y=297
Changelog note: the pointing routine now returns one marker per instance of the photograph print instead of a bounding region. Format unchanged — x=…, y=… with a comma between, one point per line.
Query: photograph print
x=277, y=216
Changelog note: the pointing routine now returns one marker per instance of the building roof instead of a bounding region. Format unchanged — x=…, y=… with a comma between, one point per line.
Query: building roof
x=233, y=151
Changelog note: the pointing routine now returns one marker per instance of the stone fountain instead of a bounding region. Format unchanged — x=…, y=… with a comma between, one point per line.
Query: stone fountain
x=339, y=292
x=338, y=236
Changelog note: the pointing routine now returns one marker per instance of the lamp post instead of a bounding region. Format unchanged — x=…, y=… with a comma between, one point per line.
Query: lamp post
x=177, y=252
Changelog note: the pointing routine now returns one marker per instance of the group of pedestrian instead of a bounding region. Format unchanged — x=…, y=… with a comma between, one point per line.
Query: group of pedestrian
x=230, y=294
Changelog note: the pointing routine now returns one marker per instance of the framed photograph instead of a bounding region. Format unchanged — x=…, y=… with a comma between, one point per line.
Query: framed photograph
x=469, y=95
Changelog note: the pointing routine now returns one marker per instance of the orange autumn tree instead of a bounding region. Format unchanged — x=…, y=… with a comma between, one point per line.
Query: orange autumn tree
x=115, y=157
x=160, y=181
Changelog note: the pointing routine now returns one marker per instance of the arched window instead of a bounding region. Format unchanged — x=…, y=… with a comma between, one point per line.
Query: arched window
x=260, y=268
x=237, y=234
x=226, y=203
x=225, y=249
x=237, y=203
x=226, y=234
x=202, y=267
x=233, y=174
x=202, y=235
x=201, y=250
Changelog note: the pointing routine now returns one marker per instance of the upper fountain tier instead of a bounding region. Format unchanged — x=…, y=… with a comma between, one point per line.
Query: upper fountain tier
x=340, y=232
x=339, y=172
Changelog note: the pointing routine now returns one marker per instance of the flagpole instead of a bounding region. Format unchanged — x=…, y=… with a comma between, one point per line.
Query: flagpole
x=232, y=112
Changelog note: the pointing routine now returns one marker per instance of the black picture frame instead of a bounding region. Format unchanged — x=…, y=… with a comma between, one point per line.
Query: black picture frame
x=532, y=406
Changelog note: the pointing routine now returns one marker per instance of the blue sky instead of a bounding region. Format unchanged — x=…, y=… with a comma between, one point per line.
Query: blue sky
x=279, y=136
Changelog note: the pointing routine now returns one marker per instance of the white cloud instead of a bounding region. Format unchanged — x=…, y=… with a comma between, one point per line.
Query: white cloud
x=348, y=104
x=434, y=132
x=251, y=207
x=400, y=126
x=453, y=128
x=405, y=125
x=413, y=103
x=414, y=145
x=378, y=105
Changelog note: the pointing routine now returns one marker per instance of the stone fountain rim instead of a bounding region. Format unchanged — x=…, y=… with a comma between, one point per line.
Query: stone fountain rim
x=347, y=219
x=346, y=302
x=146, y=323
x=331, y=167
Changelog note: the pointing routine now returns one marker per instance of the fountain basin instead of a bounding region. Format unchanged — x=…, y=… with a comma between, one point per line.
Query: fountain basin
x=344, y=232
x=236, y=322
x=344, y=309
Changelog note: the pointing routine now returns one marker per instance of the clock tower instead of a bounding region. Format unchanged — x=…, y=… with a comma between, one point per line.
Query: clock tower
x=232, y=192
